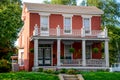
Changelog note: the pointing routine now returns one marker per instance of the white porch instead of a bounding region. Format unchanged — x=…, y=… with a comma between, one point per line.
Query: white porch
x=82, y=63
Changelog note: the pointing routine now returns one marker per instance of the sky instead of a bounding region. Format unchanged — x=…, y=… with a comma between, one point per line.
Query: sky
x=40, y=1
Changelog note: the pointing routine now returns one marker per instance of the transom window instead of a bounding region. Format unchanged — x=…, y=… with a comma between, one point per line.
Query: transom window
x=67, y=25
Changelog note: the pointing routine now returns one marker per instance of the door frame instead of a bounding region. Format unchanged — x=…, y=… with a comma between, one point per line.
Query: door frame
x=51, y=58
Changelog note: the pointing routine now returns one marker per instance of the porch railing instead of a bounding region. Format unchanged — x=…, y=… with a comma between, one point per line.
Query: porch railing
x=73, y=33
x=78, y=62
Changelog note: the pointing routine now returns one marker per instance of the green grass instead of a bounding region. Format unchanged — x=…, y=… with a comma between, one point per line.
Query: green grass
x=101, y=76
x=27, y=76
x=45, y=76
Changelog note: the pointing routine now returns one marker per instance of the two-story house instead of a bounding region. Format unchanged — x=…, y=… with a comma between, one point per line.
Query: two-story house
x=62, y=36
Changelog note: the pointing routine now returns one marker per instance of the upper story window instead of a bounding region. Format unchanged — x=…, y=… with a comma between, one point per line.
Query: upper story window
x=44, y=23
x=67, y=23
x=87, y=24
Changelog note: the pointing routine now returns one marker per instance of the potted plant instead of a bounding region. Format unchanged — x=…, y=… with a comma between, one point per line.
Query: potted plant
x=61, y=57
x=95, y=50
x=71, y=50
x=32, y=50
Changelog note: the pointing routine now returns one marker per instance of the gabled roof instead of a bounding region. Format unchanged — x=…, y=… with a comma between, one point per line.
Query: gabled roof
x=37, y=7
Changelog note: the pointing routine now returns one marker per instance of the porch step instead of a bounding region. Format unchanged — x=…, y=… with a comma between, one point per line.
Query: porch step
x=70, y=77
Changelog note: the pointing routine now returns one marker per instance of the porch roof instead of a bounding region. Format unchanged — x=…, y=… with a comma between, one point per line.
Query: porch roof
x=65, y=9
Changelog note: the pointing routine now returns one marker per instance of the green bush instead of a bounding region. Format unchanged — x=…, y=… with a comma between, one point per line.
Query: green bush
x=5, y=66
x=71, y=71
x=48, y=71
x=40, y=70
x=63, y=70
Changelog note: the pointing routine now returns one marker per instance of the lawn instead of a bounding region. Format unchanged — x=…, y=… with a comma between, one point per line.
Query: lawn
x=101, y=76
x=27, y=76
x=46, y=76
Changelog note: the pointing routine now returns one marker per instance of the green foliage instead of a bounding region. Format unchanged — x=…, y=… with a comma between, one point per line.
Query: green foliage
x=71, y=50
x=5, y=66
x=63, y=70
x=40, y=70
x=111, y=10
x=10, y=24
x=32, y=50
x=71, y=71
x=95, y=50
x=100, y=76
x=27, y=76
x=64, y=2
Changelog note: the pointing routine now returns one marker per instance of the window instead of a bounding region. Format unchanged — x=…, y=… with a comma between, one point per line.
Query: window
x=67, y=25
x=86, y=24
x=44, y=23
x=67, y=53
x=22, y=59
x=88, y=52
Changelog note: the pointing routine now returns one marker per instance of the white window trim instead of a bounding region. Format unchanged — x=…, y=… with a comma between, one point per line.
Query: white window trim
x=19, y=56
x=64, y=50
x=67, y=16
x=45, y=15
x=87, y=16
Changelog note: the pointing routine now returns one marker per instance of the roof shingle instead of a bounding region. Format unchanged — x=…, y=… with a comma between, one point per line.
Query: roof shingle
x=63, y=9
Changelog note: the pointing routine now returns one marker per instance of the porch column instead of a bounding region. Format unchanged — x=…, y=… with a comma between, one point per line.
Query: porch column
x=35, y=52
x=106, y=53
x=83, y=53
x=58, y=52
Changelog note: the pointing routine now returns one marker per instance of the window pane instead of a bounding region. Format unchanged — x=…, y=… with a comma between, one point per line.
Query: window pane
x=67, y=25
x=68, y=55
x=44, y=21
x=86, y=22
x=22, y=58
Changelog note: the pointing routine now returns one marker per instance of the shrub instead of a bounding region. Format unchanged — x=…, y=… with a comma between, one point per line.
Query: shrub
x=48, y=71
x=71, y=71
x=55, y=72
x=40, y=70
x=5, y=66
x=63, y=70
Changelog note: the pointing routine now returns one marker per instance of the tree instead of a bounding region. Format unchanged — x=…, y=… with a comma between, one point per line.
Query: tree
x=64, y=2
x=10, y=24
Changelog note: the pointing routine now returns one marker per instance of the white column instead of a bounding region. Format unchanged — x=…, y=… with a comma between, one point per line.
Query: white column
x=58, y=30
x=58, y=52
x=83, y=53
x=106, y=53
x=35, y=52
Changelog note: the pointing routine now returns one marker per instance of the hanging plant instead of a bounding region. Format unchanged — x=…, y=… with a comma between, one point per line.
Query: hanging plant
x=32, y=50
x=71, y=50
x=95, y=50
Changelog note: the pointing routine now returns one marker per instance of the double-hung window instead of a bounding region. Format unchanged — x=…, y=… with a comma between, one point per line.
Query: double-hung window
x=44, y=23
x=67, y=25
x=67, y=54
x=87, y=23
x=87, y=27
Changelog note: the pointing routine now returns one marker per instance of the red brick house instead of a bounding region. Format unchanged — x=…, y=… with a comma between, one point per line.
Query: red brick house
x=62, y=37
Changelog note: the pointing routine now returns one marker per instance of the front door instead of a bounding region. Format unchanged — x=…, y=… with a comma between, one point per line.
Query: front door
x=44, y=56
